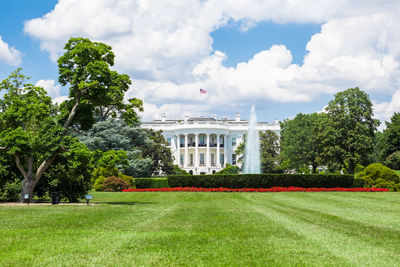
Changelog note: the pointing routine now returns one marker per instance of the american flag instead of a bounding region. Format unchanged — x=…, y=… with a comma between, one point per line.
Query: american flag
x=202, y=91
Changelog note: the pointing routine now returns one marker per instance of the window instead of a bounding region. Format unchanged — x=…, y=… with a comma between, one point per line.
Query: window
x=191, y=159
x=221, y=159
x=169, y=141
x=181, y=159
x=233, y=141
x=182, y=141
x=212, y=159
x=233, y=159
x=201, y=158
x=201, y=141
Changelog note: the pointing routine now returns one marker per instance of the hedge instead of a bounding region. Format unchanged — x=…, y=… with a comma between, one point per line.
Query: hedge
x=151, y=183
x=262, y=180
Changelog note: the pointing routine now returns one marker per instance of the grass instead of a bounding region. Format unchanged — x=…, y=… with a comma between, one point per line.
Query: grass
x=206, y=229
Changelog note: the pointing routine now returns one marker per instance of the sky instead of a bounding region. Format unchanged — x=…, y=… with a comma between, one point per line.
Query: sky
x=284, y=57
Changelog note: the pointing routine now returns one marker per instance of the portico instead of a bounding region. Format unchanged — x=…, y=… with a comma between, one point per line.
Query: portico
x=201, y=152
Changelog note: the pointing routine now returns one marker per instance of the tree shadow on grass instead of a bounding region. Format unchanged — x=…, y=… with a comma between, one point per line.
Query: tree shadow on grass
x=128, y=203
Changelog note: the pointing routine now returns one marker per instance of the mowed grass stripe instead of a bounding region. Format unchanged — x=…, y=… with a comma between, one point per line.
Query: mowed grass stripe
x=202, y=229
x=352, y=241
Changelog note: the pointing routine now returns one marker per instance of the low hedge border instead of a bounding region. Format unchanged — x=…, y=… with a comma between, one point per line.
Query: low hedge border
x=142, y=183
x=262, y=180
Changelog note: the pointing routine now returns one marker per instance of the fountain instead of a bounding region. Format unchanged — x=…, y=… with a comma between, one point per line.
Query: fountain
x=252, y=152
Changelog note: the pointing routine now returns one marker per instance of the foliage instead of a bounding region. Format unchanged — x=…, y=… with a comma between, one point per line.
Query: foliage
x=114, y=184
x=151, y=183
x=147, y=151
x=346, y=133
x=391, y=138
x=99, y=175
x=378, y=144
x=377, y=175
x=70, y=173
x=299, y=144
x=261, y=180
x=85, y=66
x=179, y=171
x=229, y=169
x=159, y=153
x=393, y=161
x=10, y=191
x=269, y=151
x=34, y=130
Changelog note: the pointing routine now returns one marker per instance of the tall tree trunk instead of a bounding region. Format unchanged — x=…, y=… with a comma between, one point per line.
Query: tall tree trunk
x=30, y=178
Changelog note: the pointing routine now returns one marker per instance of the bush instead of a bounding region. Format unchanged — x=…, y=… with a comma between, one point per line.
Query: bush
x=98, y=184
x=377, y=175
x=114, y=184
x=11, y=191
x=261, y=180
x=229, y=169
x=142, y=183
x=178, y=171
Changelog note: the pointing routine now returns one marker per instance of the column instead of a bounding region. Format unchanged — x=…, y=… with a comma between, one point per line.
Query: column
x=218, y=152
x=178, y=150
x=225, y=149
x=208, y=151
x=196, y=153
x=185, y=161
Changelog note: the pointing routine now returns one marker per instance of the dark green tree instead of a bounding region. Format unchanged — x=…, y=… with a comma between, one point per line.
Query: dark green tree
x=348, y=131
x=391, y=137
x=299, y=144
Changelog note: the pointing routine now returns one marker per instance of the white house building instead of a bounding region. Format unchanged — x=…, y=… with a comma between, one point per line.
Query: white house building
x=203, y=145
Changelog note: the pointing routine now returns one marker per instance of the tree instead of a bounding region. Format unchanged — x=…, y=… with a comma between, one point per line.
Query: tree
x=299, y=142
x=269, y=151
x=348, y=130
x=147, y=151
x=34, y=130
x=391, y=137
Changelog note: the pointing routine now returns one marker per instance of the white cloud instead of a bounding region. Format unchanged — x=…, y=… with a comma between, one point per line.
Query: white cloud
x=167, y=48
x=48, y=85
x=384, y=110
x=9, y=55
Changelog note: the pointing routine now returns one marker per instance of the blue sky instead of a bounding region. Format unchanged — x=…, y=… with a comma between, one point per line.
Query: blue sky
x=284, y=57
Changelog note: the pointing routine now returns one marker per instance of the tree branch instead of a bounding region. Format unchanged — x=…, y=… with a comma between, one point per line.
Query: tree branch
x=19, y=165
x=3, y=148
x=43, y=167
x=72, y=113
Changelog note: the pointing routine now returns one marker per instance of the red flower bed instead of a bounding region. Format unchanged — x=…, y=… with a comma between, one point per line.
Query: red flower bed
x=272, y=189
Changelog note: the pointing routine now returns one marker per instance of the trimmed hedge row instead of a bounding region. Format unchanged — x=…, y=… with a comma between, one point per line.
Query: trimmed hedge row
x=262, y=180
x=151, y=183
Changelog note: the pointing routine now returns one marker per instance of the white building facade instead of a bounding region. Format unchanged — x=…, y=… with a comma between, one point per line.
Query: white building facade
x=203, y=145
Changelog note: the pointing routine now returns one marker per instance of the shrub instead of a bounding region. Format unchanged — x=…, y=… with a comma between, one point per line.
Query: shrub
x=261, y=180
x=11, y=191
x=229, y=169
x=179, y=171
x=114, y=184
x=152, y=182
x=377, y=175
x=98, y=184
x=129, y=179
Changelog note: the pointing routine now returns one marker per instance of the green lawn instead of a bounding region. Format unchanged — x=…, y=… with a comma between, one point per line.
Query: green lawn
x=233, y=229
